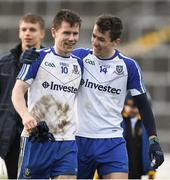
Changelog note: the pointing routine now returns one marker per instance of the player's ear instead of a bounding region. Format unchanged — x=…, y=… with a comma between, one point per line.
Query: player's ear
x=42, y=34
x=53, y=32
x=117, y=42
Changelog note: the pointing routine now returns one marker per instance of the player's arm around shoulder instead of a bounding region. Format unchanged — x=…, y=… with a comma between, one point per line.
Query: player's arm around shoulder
x=19, y=103
x=81, y=52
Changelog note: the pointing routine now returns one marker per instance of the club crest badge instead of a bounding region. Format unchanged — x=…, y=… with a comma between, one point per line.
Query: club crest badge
x=119, y=70
x=27, y=172
x=75, y=69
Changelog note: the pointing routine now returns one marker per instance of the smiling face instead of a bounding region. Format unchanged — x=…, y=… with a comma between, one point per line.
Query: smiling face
x=102, y=45
x=65, y=37
x=30, y=34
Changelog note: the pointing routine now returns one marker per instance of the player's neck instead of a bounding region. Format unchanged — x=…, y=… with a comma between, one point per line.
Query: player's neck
x=61, y=53
x=107, y=55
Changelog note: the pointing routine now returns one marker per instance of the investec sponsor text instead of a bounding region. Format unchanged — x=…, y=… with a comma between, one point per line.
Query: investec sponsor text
x=100, y=87
x=59, y=87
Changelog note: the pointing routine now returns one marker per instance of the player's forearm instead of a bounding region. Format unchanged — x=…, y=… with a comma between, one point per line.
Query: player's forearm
x=19, y=105
x=155, y=152
x=19, y=102
x=146, y=114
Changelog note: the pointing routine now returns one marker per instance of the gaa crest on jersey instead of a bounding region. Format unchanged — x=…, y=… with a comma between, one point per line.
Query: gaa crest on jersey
x=75, y=69
x=119, y=69
x=89, y=61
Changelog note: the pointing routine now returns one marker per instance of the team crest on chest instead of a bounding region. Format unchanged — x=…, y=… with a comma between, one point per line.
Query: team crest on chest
x=27, y=172
x=75, y=69
x=119, y=70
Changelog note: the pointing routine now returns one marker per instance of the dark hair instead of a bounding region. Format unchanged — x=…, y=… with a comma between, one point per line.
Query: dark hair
x=33, y=18
x=66, y=15
x=110, y=23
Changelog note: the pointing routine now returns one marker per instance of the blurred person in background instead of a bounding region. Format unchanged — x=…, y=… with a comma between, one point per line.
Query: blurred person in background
x=136, y=141
x=31, y=34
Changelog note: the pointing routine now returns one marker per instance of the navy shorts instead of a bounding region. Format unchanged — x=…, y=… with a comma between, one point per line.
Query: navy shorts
x=48, y=159
x=107, y=155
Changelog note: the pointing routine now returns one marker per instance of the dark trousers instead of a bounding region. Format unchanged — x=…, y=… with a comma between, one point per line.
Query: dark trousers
x=11, y=159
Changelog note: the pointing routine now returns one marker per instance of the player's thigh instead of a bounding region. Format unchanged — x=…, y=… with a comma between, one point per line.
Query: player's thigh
x=114, y=158
x=86, y=161
x=65, y=163
x=115, y=176
x=86, y=169
x=65, y=177
x=37, y=160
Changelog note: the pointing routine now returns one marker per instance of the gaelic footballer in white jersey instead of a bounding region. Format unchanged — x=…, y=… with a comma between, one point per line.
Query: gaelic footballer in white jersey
x=102, y=93
x=54, y=84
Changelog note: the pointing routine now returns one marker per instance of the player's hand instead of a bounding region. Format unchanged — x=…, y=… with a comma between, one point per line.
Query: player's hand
x=29, y=121
x=29, y=56
x=41, y=133
x=155, y=153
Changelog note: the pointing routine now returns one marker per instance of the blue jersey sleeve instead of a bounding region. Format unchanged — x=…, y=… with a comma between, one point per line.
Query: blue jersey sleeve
x=81, y=52
x=135, y=80
x=28, y=72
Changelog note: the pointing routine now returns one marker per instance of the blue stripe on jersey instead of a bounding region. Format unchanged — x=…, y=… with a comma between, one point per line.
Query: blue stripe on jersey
x=25, y=72
x=29, y=71
x=141, y=78
x=135, y=80
x=22, y=71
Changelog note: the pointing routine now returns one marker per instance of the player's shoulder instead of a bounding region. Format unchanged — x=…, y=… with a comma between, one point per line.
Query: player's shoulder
x=127, y=60
x=81, y=52
x=42, y=54
x=131, y=64
x=125, y=57
x=44, y=51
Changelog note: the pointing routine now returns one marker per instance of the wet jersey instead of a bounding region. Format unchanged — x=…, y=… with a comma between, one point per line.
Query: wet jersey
x=102, y=93
x=54, y=84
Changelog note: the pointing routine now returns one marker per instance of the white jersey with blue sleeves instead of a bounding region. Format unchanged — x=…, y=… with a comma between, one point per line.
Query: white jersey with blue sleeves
x=54, y=84
x=102, y=93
